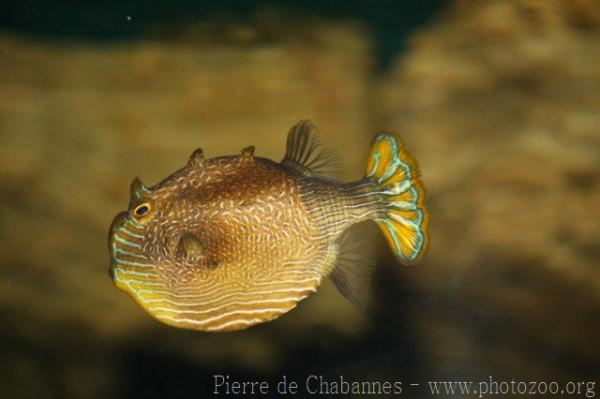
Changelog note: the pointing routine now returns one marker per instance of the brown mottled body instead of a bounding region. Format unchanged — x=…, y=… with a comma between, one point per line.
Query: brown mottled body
x=228, y=242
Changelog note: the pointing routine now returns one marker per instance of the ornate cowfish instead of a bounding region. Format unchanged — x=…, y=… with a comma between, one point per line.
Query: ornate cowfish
x=232, y=241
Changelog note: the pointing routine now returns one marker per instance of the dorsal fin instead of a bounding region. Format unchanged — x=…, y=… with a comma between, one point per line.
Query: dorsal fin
x=304, y=153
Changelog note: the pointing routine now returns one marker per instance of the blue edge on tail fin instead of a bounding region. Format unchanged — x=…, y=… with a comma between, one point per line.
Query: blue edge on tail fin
x=405, y=222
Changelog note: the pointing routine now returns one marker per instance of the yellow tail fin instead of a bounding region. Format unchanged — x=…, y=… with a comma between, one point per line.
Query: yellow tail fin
x=405, y=224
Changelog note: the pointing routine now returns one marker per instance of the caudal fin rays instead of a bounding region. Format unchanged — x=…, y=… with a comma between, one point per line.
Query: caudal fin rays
x=405, y=220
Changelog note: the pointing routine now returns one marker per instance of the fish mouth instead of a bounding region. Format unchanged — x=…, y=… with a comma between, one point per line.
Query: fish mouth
x=128, y=263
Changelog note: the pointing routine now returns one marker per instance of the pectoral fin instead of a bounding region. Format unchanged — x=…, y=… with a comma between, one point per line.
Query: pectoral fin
x=189, y=248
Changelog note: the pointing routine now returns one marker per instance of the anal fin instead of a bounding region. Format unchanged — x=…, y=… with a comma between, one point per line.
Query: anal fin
x=355, y=265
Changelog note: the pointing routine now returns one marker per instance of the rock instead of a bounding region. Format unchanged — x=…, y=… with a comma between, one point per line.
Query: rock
x=499, y=102
x=82, y=119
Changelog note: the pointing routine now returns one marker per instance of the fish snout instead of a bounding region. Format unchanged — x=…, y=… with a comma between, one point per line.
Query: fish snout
x=117, y=222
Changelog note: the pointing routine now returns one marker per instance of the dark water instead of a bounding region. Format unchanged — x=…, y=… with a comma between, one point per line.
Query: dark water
x=390, y=21
x=496, y=100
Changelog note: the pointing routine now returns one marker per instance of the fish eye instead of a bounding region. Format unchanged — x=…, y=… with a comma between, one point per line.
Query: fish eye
x=142, y=210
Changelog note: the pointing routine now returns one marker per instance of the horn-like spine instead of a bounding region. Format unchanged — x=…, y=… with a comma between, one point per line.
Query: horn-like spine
x=137, y=188
x=248, y=152
x=197, y=157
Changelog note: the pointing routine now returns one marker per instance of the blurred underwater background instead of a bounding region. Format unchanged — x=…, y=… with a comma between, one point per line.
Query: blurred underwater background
x=499, y=102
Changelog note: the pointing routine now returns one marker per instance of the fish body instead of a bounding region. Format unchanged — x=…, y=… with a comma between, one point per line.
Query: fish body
x=229, y=242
